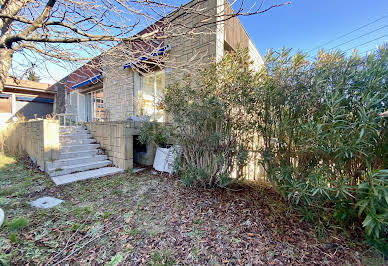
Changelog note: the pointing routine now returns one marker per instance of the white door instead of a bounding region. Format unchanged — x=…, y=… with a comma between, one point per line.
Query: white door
x=81, y=108
x=88, y=107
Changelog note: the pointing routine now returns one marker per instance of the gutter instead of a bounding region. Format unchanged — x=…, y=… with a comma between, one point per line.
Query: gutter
x=27, y=89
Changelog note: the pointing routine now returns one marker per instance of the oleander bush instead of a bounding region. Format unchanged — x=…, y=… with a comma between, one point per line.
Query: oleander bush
x=322, y=141
x=212, y=121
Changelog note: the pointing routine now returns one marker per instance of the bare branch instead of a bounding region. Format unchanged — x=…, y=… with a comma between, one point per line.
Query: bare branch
x=78, y=30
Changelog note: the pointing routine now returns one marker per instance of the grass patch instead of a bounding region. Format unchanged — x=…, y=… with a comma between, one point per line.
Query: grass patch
x=5, y=160
x=13, y=237
x=17, y=224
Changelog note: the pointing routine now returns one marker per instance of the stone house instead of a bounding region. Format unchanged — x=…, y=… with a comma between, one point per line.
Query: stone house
x=124, y=91
x=109, y=90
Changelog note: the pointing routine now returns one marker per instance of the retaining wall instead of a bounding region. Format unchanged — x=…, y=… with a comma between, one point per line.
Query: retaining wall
x=38, y=138
x=116, y=138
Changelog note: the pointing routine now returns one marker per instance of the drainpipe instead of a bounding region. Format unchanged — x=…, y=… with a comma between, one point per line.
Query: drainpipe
x=13, y=104
x=133, y=92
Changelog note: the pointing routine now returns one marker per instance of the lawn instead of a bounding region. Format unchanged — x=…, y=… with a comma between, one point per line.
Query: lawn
x=145, y=219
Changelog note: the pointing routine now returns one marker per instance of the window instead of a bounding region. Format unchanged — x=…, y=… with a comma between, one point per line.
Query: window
x=97, y=105
x=151, y=91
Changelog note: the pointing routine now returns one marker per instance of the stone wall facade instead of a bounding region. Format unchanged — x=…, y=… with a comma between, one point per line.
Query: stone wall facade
x=187, y=55
x=190, y=53
x=116, y=138
x=119, y=93
x=38, y=138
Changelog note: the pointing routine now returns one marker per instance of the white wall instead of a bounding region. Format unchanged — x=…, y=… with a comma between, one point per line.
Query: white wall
x=255, y=56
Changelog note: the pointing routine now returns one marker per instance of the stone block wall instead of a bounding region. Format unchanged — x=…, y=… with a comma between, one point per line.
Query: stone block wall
x=187, y=55
x=118, y=93
x=190, y=53
x=116, y=138
x=38, y=138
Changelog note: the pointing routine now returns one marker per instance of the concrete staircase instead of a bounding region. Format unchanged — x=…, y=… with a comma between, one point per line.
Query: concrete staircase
x=80, y=158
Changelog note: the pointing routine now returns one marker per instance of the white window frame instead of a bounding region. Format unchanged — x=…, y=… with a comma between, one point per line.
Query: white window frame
x=155, y=89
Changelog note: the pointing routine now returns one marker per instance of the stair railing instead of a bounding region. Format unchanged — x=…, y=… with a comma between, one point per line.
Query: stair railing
x=67, y=119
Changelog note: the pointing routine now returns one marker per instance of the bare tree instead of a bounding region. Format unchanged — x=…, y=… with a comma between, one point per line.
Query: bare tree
x=74, y=31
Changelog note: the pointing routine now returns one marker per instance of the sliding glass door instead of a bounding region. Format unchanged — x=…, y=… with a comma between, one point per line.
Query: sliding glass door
x=88, y=106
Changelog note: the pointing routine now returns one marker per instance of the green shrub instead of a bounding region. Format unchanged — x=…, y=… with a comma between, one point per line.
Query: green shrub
x=212, y=121
x=321, y=129
x=345, y=213
x=373, y=205
x=155, y=133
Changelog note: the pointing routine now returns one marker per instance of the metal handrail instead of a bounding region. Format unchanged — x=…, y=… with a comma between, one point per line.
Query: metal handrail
x=67, y=119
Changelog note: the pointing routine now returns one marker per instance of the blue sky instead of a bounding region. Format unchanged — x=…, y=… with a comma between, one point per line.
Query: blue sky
x=306, y=24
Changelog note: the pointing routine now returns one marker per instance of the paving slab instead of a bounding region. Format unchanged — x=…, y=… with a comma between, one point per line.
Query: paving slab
x=46, y=202
x=64, y=170
x=70, y=178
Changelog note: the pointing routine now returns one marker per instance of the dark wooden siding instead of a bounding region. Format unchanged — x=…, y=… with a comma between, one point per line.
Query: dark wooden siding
x=235, y=33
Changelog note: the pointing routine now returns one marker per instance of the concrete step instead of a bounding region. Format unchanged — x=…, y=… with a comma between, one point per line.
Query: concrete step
x=106, y=171
x=76, y=136
x=77, y=154
x=80, y=147
x=71, y=128
x=76, y=141
x=73, y=161
x=73, y=131
x=77, y=168
x=69, y=132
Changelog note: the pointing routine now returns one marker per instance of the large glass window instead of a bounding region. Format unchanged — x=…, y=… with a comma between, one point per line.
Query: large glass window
x=97, y=108
x=151, y=92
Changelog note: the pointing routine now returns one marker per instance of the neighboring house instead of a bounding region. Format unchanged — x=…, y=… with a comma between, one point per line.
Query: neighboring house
x=123, y=91
x=25, y=98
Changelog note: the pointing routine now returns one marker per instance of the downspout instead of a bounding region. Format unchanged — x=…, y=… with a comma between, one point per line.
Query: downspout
x=133, y=93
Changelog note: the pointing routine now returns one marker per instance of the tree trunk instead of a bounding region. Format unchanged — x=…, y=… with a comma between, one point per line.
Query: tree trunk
x=5, y=63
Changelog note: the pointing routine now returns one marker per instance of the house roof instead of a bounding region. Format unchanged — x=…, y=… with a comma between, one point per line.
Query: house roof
x=28, y=85
x=91, y=71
